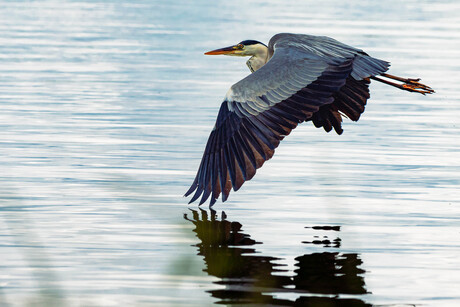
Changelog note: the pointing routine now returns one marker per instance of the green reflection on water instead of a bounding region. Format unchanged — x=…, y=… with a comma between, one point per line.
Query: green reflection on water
x=248, y=278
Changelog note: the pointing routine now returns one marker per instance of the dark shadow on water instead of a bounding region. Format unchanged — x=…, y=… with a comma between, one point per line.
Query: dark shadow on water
x=320, y=279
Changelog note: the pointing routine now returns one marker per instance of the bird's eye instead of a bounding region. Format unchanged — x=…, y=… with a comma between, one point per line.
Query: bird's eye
x=240, y=46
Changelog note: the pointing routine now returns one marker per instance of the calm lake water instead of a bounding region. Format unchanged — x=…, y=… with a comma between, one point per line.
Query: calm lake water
x=105, y=110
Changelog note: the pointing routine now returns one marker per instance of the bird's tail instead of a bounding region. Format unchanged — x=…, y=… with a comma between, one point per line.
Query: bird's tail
x=407, y=84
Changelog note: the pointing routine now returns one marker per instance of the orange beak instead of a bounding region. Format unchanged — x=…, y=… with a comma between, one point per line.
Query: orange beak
x=226, y=50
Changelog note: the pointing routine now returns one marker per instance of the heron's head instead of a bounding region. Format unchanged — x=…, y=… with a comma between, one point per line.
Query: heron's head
x=244, y=48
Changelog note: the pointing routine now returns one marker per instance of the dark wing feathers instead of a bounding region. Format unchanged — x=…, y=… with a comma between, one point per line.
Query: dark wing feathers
x=307, y=78
x=239, y=145
x=349, y=101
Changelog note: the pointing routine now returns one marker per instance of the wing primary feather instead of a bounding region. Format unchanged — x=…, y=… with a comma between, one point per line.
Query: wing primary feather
x=298, y=114
x=239, y=179
x=239, y=157
x=271, y=115
x=196, y=195
x=305, y=108
x=326, y=124
x=272, y=125
x=325, y=88
x=215, y=187
x=245, y=132
x=236, y=149
x=199, y=184
x=228, y=188
x=352, y=108
x=278, y=119
x=207, y=192
x=205, y=160
x=306, y=97
x=336, y=120
x=215, y=194
x=260, y=135
x=207, y=180
x=346, y=109
x=248, y=156
x=246, y=149
x=318, y=94
x=270, y=135
x=226, y=184
x=230, y=161
x=273, y=138
x=353, y=98
x=277, y=111
x=215, y=181
x=223, y=135
x=192, y=188
x=204, y=176
x=196, y=182
x=208, y=169
x=222, y=172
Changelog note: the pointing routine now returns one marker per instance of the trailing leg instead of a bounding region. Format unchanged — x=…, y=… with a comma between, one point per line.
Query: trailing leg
x=408, y=84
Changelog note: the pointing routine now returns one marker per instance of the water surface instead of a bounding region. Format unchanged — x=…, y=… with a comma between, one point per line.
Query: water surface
x=107, y=105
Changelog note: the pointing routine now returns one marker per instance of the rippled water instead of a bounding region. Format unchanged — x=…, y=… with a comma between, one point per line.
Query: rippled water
x=105, y=110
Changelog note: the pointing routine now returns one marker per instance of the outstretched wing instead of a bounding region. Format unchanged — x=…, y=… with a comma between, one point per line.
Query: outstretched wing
x=260, y=110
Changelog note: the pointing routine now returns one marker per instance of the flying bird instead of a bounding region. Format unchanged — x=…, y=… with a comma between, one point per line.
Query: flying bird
x=296, y=78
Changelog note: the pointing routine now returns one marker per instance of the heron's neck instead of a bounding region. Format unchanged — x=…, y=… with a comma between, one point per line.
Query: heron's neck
x=259, y=58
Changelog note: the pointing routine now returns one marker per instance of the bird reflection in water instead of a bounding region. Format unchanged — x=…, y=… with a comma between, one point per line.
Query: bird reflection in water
x=319, y=280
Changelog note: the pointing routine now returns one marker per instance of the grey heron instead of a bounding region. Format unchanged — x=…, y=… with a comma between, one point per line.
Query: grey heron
x=296, y=78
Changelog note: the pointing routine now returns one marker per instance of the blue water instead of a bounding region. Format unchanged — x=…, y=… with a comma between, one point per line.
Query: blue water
x=105, y=110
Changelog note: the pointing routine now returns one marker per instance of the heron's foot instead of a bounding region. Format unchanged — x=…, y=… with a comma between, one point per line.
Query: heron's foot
x=412, y=85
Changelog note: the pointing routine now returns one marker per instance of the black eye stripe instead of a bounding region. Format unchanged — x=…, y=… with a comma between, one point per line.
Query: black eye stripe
x=251, y=42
